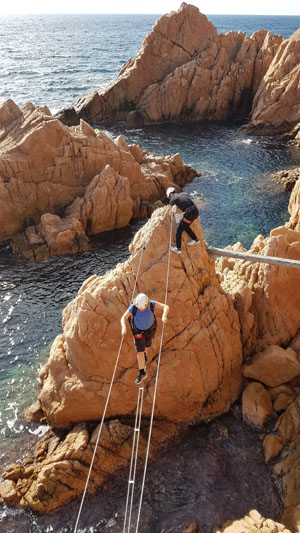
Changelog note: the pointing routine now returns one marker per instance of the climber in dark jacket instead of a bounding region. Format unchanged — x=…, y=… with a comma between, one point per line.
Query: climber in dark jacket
x=190, y=213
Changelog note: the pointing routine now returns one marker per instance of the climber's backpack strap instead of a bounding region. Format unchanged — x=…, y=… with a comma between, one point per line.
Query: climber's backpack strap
x=136, y=331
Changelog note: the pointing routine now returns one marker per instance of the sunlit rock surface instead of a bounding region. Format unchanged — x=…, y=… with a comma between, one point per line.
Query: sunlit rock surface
x=60, y=184
x=183, y=71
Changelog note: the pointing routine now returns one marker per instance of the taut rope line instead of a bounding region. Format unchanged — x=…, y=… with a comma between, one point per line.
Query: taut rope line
x=98, y=436
x=156, y=382
x=107, y=399
x=134, y=454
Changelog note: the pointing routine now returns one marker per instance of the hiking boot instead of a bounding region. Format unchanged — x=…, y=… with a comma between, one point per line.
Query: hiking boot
x=140, y=377
x=175, y=249
x=192, y=242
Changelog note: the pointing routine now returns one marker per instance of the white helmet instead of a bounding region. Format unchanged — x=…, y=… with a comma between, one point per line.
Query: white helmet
x=141, y=300
x=169, y=191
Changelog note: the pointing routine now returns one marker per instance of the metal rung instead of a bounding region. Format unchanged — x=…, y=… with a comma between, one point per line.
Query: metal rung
x=131, y=481
x=136, y=429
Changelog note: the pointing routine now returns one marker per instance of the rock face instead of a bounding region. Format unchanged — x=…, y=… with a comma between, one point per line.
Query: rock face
x=287, y=178
x=276, y=106
x=58, y=184
x=274, y=366
x=183, y=71
x=265, y=295
x=199, y=377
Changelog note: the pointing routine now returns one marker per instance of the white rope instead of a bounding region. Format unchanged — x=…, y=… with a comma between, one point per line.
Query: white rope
x=98, y=436
x=107, y=399
x=155, y=388
x=134, y=455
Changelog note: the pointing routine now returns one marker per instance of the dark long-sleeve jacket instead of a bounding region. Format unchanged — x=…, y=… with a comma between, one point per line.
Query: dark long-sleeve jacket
x=182, y=200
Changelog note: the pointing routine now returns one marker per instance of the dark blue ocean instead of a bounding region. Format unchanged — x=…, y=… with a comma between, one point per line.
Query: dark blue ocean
x=56, y=59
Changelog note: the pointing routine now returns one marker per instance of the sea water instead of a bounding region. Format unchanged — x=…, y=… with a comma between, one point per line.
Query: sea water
x=54, y=60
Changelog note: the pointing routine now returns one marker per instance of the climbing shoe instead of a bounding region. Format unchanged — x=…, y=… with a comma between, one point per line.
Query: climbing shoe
x=175, y=249
x=192, y=242
x=140, y=377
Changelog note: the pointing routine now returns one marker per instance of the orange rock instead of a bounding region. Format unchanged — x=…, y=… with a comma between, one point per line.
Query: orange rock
x=274, y=366
x=291, y=517
x=59, y=183
x=275, y=107
x=273, y=445
x=200, y=374
x=256, y=405
x=9, y=492
x=183, y=71
x=265, y=295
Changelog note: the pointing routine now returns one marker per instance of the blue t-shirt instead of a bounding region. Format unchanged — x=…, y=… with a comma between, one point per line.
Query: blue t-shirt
x=143, y=319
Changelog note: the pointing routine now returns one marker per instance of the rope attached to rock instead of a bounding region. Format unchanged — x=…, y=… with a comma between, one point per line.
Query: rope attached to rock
x=156, y=383
x=108, y=397
x=98, y=436
x=134, y=455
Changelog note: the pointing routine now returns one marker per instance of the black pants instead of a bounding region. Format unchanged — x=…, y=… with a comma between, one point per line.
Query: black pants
x=143, y=339
x=185, y=226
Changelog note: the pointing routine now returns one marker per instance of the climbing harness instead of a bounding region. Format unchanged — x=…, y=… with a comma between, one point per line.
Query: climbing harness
x=192, y=213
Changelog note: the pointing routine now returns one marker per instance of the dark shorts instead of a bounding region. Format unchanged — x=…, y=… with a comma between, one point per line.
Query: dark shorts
x=143, y=339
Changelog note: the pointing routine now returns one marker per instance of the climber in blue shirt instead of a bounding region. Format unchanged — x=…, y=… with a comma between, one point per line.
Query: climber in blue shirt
x=143, y=325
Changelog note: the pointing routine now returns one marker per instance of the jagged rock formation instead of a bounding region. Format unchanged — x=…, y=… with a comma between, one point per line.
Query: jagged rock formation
x=200, y=370
x=183, y=71
x=58, y=184
x=265, y=295
x=202, y=345
x=287, y=178
x=82, y=358
x=267, y=300
x=276, y=107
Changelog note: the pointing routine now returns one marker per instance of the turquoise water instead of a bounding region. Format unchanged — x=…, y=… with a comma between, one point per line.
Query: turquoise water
x=54, y=60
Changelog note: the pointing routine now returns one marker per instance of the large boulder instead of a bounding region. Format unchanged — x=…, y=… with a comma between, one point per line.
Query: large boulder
x=183, y=71
x=200, y=373
x=274, y=366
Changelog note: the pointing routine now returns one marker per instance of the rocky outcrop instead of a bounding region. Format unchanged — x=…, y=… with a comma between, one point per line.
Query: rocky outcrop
x=287, y=178
x=82, y=358
x=267, y=300
x=199, y=377
x=283, y=437
x=294, y=209
x=252, y=523
x=265, y=295
x=276, y=106
x=183, y=71
x=58, y=184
